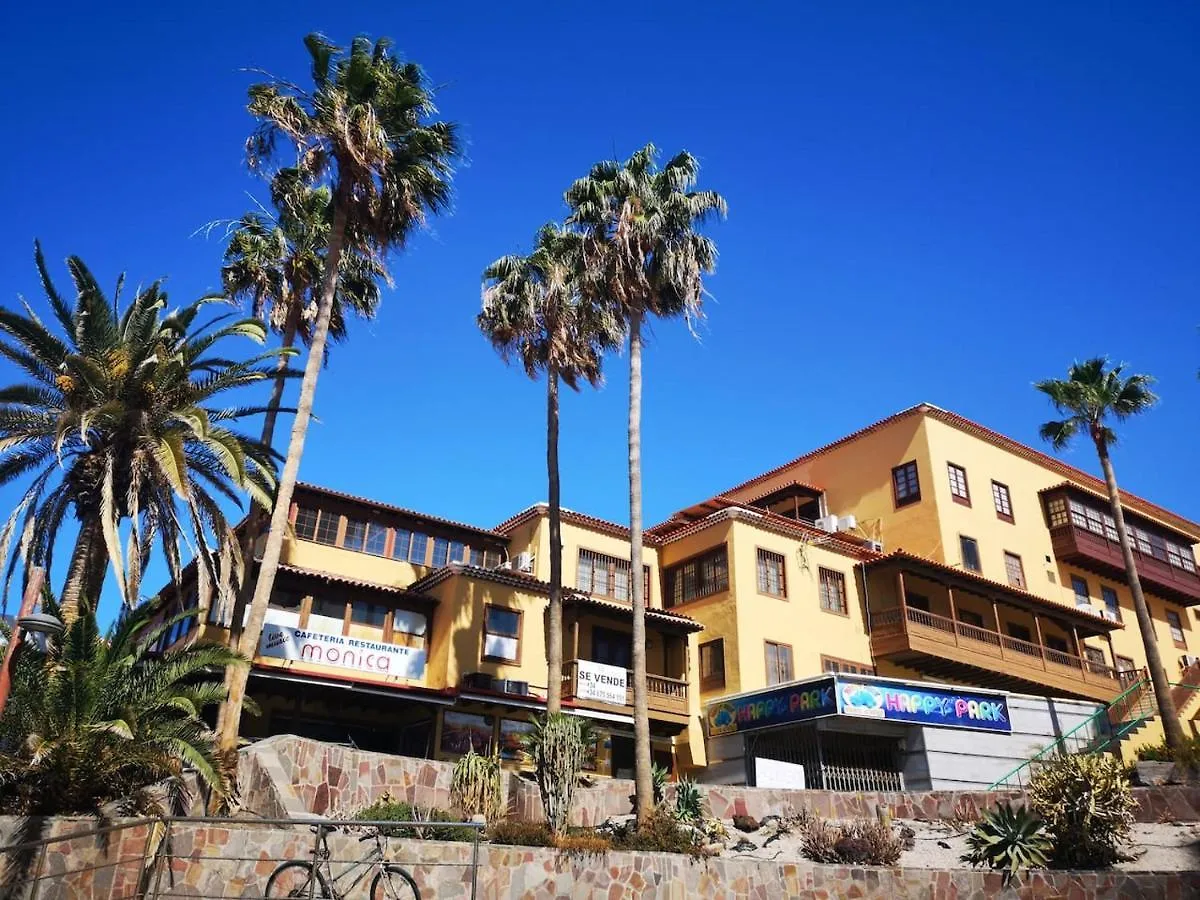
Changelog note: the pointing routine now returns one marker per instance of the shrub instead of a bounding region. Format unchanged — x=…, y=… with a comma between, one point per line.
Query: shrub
x=583, y=844
x=521, y=834
x=1186, y=757
x=1009, y=839
x=431, y=824
x=658, y=782
x=557, y=745
x=475, y=785
x=688, y=806
x=1087, y=807
x=660, y=833
x=859, y=842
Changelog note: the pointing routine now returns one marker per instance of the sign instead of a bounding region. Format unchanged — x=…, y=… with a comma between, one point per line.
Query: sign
x=781, y=706
x=281, y=641
x=462, y=732
x=596, y=681
x=771, y=773
x=940, y=707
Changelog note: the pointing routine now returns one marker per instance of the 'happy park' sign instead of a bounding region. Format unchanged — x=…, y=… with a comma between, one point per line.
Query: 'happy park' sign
x=870, y=698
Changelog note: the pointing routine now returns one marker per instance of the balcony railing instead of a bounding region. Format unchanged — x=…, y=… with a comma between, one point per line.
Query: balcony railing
x=915, y=630
x=666, y=695
x=1073, y=543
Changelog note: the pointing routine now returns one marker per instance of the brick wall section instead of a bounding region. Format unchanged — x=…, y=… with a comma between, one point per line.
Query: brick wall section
x=328, y=779
x=215, y=861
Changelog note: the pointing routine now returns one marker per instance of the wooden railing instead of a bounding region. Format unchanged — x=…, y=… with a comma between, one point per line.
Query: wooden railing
x=889, y=622
x=665, y=694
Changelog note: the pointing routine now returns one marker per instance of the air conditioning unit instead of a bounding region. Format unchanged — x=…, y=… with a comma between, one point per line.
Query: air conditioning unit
x=847, y=523
x=478, y=681
x=1187, y=660
x=876, y=546
x=508, y=686
x=523, y=562
x=827, y=523
x=1110, y=615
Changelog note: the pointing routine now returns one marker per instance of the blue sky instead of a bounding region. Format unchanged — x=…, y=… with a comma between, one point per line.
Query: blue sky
x=935, y=201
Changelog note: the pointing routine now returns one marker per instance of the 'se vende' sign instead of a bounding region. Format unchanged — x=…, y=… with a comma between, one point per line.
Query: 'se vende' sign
x=604, y=684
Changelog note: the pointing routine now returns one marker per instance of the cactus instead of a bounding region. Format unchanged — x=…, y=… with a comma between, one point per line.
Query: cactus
x=558, y=745
x=475, y=785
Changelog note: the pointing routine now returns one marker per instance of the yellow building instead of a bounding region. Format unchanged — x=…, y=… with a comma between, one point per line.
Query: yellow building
x=924, y=547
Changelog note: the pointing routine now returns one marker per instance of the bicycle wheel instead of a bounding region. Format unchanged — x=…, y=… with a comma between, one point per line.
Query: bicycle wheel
x=393, y=883
x=294, y=879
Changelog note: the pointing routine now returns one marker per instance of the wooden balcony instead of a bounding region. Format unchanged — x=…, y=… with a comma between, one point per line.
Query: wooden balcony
x=668, y=697
x=942, y=647
x=1097, y=553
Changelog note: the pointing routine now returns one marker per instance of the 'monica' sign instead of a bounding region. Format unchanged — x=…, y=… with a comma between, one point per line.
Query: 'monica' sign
x=896, y=701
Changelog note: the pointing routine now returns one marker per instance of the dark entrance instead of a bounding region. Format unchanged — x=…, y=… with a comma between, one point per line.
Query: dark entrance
x=832, y=760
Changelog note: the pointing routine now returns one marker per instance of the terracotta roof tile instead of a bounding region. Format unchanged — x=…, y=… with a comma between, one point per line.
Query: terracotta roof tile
x=572, y=517
x=346, y=580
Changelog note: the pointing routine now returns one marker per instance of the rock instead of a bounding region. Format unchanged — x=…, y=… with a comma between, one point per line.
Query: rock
x=767, y=821
x=943, y=845
x=745, y=823
x=744, y=845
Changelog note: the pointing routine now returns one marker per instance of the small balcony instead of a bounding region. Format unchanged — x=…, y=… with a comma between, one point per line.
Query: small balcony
x=1098, y=553
x=668, y=697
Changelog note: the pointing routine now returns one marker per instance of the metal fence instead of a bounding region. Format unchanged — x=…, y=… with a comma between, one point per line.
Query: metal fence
x=216, y=858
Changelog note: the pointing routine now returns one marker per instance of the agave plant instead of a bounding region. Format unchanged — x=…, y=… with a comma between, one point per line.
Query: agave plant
x=1009, y=838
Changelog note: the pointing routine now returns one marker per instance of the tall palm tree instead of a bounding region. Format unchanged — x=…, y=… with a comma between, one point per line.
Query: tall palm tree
x=643, y=256
x=1093, y=394
x=122, y=421
x=532, y=311
x=365, y=130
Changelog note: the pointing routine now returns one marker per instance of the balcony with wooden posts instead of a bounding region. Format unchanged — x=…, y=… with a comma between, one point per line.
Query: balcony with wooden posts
x=947, y=623
x=1083, y=533
x=668, y=697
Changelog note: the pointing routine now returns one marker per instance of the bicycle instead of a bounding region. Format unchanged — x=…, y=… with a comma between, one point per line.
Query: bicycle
x=301, y=878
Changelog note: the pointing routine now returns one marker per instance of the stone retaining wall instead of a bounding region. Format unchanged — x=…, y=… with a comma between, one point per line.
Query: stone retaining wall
x=222, y=861
x=287, y=776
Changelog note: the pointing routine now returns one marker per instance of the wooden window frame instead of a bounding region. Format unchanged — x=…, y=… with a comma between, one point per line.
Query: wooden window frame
x=717, y=679
x=296, y=526
x=761, y=556
x=965, y=497
x=611, y=565
x=323, y=516
x=972, y=618
x=670, y=573
x=767, y=661
x=1181, y=641
x=1087, y=595
x=832, y=575
x=1026, y=635
x=999, y=488
x=387, y=612
x=610, y=632
x=904, y=468
x=848, y=666
x=484, y=632
x=978, y=569
x=1057, y=642
x=1021, y=583
x=1105, y=590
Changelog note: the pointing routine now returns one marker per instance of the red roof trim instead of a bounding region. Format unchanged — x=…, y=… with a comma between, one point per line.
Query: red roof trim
x=571, y=517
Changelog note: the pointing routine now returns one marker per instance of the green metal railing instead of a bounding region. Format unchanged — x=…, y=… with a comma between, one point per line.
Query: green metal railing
x=1096, y=733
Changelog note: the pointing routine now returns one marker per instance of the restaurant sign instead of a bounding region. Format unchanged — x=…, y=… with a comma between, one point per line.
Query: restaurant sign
x=288, y=642
x=894, y=701
x=780, y=706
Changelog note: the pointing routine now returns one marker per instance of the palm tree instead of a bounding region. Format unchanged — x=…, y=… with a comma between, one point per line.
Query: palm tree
x=365, y=131
x=118, y=423
x=95, y=720
x=532, y=311
x=643, y=256
x=1092, y=394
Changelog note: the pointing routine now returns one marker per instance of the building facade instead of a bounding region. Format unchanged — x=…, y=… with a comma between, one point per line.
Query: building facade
x=924, y=549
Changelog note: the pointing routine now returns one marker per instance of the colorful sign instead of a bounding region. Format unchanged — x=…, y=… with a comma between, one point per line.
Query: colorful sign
x=281, y=641
x=596, y=681
x=940, y=707
x=779, y=706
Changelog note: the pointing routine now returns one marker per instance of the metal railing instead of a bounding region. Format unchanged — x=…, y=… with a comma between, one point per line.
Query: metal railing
x=215, y=858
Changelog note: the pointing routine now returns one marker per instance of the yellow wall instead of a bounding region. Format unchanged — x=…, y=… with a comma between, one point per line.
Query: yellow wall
x=351, y=563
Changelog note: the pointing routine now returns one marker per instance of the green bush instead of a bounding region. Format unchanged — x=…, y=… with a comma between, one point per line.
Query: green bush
x=660, y=833
x=1186, y=757
x=520, y=834
x=1087, y=806
x=434, y=824
x=475, y=785
x=689, y=808
x=859, y=842
x=1009, y=839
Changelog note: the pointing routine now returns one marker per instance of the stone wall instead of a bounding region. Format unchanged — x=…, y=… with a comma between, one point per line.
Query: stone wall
x=220, y=861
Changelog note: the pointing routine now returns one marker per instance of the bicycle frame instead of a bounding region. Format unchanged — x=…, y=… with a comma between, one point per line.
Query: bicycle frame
x=372, y=862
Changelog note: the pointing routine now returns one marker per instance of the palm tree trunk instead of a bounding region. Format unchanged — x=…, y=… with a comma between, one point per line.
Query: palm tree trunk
x=1172, y=730
x=258, y=516
x=86, y=573
x=291, y=470
x=554, y=627
x=643, y=782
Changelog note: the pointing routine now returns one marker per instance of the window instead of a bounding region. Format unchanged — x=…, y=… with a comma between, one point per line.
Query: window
x=491, y=559
x=1127, y=670
x=906, y=486
x=376, y=539
x=441, y=552
x=1002, y=501
x=1015, y=570
x=846, y=667
x=306, y=523
x=917, y=601
x=331, y=608
x=770, y=574
x=458, y=552
x=420, y=545
x=779, y=663
x=970, y=617
x=501, y=634
x=712, y=664
x=1095, y=521
x=1082, y=597
x=1095, y=660
x=608, y=576
x=409, y=628
x=698, y=577
x=1176, y=626
x=1056, y=510
x=1111, y=604
x=1022, y=634
x=970, y=553
x=1180, y=556
x=327, y=528
x=833, y=591
x=958, y=484
x=1057, y=643
x=613, y=648
x=285, y=600
x=368, y=614
x=476, y=557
